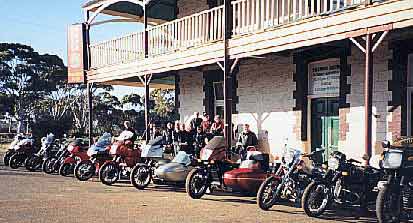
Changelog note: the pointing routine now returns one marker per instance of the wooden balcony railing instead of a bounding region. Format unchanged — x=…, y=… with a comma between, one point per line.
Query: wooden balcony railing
x=205, y=27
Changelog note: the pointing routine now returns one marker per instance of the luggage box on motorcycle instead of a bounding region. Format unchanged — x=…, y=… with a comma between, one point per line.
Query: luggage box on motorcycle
x=244, y=179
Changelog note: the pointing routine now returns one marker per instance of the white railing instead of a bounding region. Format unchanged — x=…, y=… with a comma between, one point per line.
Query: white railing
x=255, y=15
x=190, y=31
x=205, y=27
x=117, y=51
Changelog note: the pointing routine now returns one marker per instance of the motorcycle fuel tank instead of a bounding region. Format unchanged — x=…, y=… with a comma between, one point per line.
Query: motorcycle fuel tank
x=244, y=179
x=173, y=172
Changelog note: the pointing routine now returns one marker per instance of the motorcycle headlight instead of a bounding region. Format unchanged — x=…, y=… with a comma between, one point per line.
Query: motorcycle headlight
x=392, y=159
x=333, y=163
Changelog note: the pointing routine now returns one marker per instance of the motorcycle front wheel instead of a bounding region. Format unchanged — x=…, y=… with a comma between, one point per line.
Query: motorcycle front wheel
x=33, y=163
x=48, y=165
x=16, y=161
x=266, y=196
x=65, y=169
x=109, y=173
x=85, y=170
x=388, y=205
x=6, y=158
x=196, y=184
x=315, y=199
x=141, y=176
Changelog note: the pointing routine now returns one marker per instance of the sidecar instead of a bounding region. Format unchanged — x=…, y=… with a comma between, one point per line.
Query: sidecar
x=175, y=171
x=250, y=174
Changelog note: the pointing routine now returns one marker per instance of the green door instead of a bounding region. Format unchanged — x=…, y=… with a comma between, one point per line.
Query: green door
x=324, y=125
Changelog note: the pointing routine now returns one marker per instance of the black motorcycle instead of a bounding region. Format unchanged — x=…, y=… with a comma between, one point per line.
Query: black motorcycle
x=396, y=193
x=12, y=149
x=22, y=151
x=344, y=183
x=49, y=148
x=52, y=164
x=289, y=180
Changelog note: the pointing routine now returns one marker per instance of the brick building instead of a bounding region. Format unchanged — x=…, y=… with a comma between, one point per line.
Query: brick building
x=299, y=73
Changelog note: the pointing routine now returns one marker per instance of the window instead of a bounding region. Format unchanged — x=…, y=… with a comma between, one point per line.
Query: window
x=219, y=98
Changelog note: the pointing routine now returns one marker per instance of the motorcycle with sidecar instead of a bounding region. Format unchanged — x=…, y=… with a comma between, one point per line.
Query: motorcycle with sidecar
x=99, y=154
x=125, y=157
x=215, y=170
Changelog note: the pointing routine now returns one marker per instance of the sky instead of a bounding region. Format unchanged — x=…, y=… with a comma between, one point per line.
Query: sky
x=43, y=24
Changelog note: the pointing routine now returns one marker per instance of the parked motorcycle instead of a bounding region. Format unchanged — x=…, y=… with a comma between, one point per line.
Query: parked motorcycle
x=153, y=154
x=289, y=180
x=99, y=154
x=214, y=170
x=52, y=164
x=12, y=149
x=23, y=150
x=344, y=183
x=78, y=152
x=396, y=193
x=48, y=149
x=125, y=157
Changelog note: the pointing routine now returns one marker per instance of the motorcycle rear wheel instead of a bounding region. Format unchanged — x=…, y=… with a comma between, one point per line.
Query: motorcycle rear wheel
x=388, y=205
x=311, y=203
x=196, y=184
x=33, y=163
x=85, y=170
x=109, y=173
x=65, y=169
x=48, y=165
x=141, y=176
x=265, y=195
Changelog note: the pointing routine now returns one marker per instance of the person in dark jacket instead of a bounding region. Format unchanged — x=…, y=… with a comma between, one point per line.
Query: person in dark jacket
x=217, y=127
x=195, y=122
x=167, y=134
x=199, y=139
x=245, y=139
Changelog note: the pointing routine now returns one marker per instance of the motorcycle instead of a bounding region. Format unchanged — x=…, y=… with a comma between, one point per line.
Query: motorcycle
x=153, y=153
x=289, y=180
x=395, y=196
x=125, y=156
x=99, y=154
x=215, y=170
x=77, y=153
x=52, y=164
x=48, y=149
x=12, y=148
x=23, y=150
x=344, y=183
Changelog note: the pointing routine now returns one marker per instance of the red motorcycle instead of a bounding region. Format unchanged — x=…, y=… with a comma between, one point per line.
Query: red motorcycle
x=125, y=157
x=78, y=152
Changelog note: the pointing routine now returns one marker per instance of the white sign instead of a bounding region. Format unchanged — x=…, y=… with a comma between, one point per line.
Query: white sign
x=324, y=78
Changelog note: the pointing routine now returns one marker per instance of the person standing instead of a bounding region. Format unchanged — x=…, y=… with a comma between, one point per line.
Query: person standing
x=195, y=122
x=128, y=127
x=206, y=123
x=168, y=134
x=246, y=138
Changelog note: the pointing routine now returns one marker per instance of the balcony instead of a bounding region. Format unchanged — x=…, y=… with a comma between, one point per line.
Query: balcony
x=258, y=27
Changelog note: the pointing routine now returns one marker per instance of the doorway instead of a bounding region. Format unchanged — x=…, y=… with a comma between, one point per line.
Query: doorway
x=325, y=125
x=410, y=95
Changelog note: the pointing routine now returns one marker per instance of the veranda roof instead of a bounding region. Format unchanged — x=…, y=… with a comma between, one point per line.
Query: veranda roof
x=159, y=11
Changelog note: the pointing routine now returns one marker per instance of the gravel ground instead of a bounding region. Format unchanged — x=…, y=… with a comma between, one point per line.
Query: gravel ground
x=36, y=197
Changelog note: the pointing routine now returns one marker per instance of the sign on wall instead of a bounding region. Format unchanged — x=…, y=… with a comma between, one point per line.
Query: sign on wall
x=77, y=53
x=324, y=78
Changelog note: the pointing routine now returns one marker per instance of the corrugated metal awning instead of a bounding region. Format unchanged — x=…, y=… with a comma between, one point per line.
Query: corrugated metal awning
x=159, y=11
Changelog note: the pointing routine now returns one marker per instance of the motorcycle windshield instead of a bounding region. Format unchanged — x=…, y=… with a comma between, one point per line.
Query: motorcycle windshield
x=182, y=158
x=290, y=154
x=104, y=141
x=152, y=151
x=214, y=150
x=156, y=141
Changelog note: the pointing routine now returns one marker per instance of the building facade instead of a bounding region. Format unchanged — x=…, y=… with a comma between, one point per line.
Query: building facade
x=300, y=81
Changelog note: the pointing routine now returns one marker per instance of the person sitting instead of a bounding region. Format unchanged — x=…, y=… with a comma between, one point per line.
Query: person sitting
x=217, y=127
x=246, y=139
x=206, y=123
x=128, y=127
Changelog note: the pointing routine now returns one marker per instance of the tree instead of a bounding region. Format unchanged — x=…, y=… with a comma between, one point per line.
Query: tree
x=26, y=77
x=163, y=105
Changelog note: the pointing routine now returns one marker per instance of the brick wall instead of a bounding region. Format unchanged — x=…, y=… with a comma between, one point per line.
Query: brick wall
x=191, y=95
x=189, y=7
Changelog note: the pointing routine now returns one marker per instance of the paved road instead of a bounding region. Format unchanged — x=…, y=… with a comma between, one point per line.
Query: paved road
x=36, y=197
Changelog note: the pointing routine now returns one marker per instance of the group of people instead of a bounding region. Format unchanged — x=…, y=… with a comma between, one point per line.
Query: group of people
x=194, y=136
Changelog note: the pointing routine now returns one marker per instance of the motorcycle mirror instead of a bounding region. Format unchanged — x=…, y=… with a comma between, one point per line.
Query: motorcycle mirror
x=385, y=144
